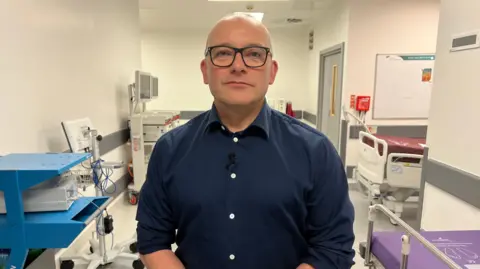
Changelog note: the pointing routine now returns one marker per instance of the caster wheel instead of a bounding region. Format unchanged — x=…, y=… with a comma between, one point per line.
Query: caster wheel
x=137, y=264
x=133, y=198
x=392, y=221
x=68, y=264
x=133, y=247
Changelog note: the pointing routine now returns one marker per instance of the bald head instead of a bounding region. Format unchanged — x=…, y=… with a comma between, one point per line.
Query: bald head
x=238, y=65
x=243, y=24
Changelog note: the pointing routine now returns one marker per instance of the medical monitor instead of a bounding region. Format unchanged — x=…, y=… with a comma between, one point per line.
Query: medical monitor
x=154, y=87
x=77, y=133
x=143, y=86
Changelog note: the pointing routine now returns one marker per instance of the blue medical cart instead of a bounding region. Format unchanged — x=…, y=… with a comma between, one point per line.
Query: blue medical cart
x=20, y=231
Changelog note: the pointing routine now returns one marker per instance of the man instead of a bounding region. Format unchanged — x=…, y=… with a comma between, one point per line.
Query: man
x=246, y=187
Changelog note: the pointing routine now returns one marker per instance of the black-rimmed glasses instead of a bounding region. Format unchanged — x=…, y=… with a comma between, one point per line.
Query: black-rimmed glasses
x=252, y=56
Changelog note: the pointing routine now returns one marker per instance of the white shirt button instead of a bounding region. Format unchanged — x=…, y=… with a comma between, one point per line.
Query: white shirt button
x=232, y=216
x=233, y=175
x=235, y=139
x=232, y=257
x=223, y=127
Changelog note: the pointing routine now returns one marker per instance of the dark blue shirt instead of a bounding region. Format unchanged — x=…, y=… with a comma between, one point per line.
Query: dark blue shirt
x=271, y=197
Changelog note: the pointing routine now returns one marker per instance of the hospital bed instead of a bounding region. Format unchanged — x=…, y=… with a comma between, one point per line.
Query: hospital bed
x=389, y=169
x=418, y=250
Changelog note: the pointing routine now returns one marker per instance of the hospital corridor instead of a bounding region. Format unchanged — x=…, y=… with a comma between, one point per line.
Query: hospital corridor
x=225, y=134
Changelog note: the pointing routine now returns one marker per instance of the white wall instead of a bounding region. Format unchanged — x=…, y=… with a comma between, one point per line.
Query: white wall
x=63, y=60
x=330, y=29
x=453, y=129
x=378, y=26
x=174, y=56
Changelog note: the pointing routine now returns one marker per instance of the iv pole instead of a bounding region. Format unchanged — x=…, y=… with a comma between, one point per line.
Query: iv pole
x=96, y=173
x=100, y=255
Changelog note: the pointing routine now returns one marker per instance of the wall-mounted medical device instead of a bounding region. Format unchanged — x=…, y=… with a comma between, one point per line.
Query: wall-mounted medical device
x=360, y=106
x=146, y=86
x=362, y=103
x=145, y=129
x=154, y=87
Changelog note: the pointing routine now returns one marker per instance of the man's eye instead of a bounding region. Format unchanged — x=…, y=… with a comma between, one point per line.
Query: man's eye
x=223, y=53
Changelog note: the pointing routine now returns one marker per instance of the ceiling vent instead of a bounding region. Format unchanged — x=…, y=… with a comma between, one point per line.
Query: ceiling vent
x=294, y=20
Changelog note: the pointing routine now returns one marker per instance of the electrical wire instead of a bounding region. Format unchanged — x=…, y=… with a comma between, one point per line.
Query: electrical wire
x=101, y=180
x=129, y=168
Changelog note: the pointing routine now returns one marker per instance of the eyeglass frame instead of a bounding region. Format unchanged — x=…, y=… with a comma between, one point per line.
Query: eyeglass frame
x=208, y=50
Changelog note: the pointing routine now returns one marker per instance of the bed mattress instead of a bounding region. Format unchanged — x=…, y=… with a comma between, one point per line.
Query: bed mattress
x=463, y=247
x=397, y=144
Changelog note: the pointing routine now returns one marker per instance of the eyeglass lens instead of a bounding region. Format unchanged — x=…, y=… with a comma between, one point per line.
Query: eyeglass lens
x=253, y=56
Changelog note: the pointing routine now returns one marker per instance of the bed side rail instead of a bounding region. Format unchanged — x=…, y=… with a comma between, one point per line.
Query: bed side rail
x=399, y=157
x=405, y=239
x=371, y=162
x=404, y=170
x=376, y=141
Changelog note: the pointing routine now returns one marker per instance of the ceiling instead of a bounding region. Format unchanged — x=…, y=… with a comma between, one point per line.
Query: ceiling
x=202, y=14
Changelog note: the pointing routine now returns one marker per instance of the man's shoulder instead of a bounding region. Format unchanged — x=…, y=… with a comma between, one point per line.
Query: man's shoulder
x=186, y=131
x=296, y=128
x=302, y=136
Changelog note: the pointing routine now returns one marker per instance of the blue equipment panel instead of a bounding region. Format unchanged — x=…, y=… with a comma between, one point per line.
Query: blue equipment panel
x=20, y=231
x=54, y=229
x=34, y=168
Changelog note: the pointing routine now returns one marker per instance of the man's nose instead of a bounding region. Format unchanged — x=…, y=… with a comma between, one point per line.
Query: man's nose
x=238, y=65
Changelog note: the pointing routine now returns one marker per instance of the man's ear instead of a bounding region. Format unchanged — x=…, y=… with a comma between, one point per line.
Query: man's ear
x=273, y=72
x=203, y=68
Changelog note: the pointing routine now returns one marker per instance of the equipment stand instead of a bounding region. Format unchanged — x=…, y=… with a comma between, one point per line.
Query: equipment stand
x=100, y=256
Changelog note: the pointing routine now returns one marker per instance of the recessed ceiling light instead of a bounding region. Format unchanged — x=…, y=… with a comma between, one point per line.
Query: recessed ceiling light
x=257, y=15
x=248, y=1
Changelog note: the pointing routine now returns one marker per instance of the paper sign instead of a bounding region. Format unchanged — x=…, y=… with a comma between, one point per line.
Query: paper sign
x=427, y=75
x=397, y=169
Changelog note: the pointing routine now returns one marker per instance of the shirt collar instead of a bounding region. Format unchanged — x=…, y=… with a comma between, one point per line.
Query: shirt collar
x=261, y=121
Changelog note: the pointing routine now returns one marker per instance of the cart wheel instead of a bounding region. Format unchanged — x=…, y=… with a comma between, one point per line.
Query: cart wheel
x=392, y=221
x=133, y=247
x=68, y=264
x=133, y=198
x=137, y=264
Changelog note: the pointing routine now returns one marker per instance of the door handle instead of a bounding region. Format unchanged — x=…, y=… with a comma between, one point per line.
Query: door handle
x=334, y=89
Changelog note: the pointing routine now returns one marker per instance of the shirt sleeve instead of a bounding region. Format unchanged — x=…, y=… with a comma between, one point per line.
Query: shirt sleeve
x=330, y=212
x=155, y=225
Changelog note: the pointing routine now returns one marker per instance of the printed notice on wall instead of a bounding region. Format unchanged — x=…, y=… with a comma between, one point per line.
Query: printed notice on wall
x=427, y=75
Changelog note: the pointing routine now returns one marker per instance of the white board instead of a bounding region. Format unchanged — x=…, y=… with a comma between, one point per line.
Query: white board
x=403, y=86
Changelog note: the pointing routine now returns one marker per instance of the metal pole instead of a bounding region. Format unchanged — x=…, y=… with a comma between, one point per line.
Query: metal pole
x=371, y=219
x=405, y=251
x=130, y=99
x=98, y=192
x=419, y=237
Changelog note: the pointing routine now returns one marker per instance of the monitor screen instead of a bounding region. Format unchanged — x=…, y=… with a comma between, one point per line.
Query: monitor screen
x=78, y=136
x=154, y=87
x=145, y=86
